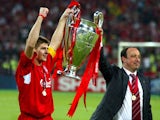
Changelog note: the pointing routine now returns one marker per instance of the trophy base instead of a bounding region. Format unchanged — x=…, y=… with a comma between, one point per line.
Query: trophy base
x=72, y=76
x=70, y=71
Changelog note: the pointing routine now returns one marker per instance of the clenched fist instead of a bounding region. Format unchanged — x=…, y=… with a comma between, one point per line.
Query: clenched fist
x=43, y=12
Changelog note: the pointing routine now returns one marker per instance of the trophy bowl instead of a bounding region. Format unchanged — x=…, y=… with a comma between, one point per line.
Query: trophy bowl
x=85, y=41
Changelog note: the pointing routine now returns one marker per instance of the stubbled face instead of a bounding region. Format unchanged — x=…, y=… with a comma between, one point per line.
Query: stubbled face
x=42, y=52
x=133, y=60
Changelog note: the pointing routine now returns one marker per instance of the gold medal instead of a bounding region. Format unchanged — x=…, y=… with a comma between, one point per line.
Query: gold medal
x=133, y=97
x=44, y=93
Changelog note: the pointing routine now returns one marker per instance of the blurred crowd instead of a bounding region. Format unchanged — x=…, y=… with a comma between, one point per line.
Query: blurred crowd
x=124, y=20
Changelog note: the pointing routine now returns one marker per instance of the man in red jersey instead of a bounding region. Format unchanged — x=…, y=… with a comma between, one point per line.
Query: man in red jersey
x=34, y=69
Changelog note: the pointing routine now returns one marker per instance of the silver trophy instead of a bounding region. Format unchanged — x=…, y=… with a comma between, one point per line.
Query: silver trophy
x=85, y=40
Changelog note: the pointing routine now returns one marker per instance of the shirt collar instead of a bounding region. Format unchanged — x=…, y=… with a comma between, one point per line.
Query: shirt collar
x=129, y=72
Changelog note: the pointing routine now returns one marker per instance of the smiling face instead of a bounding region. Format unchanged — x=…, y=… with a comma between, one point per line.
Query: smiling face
x=41, y=49
x=132, y=59
x=42, y=52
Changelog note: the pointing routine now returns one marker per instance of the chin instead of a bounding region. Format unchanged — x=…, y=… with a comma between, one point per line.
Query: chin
x=44, y=60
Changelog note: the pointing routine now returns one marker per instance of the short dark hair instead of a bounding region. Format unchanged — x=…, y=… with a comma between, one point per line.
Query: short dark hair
x=124, y=52
x=41, y=40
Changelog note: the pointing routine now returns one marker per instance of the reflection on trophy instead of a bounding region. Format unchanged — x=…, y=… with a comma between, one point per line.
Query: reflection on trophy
x=79, y=41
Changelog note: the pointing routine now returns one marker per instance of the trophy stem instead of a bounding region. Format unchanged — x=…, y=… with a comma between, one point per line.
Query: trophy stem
x=70, y=71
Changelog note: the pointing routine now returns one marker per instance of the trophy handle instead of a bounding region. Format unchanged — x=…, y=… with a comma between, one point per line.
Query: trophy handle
x=72, y=17
x=98, y=18
x=71, y=24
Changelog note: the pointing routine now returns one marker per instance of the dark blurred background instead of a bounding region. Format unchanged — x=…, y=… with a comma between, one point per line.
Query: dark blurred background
x=124, y=20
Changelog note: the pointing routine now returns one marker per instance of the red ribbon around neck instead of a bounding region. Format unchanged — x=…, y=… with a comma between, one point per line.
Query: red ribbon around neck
x=133, y=91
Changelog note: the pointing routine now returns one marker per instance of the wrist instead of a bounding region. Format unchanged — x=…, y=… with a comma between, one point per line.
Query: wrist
x=62, y=20
x=42, y=16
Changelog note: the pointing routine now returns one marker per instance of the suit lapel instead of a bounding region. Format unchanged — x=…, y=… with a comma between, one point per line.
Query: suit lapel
x=125, y=79
x=144, y=88
x=143, y=83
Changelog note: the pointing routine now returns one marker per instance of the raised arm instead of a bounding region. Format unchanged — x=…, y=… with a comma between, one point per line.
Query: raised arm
x=58, y=33
x=34, y=33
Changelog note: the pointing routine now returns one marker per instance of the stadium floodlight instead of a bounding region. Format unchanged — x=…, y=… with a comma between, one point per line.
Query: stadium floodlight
x=121, y=45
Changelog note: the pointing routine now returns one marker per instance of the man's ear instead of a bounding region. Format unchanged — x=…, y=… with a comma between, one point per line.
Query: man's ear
x=123, y=59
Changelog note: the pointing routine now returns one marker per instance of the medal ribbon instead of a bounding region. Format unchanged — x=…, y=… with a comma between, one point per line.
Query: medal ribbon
x=133, y=91
x=44, y=93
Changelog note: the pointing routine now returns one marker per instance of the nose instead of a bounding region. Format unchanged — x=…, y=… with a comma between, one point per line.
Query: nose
x=138, y=58
x=46, y=50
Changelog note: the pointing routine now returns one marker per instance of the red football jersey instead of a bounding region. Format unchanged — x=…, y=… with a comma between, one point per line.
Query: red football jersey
x=30, y=80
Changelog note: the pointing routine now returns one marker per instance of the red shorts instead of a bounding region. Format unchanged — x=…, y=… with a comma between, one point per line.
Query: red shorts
x=24, y=116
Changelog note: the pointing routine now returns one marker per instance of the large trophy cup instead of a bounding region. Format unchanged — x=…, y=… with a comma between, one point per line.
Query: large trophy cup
x=79, y=41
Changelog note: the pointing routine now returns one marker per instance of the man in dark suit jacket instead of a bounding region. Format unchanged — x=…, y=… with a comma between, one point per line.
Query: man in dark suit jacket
x=117, y=101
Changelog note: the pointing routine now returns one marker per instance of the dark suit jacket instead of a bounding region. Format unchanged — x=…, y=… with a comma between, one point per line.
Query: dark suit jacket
x=117, y=81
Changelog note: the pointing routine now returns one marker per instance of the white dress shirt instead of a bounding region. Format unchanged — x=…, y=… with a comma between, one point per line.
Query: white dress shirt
x=125, y=112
